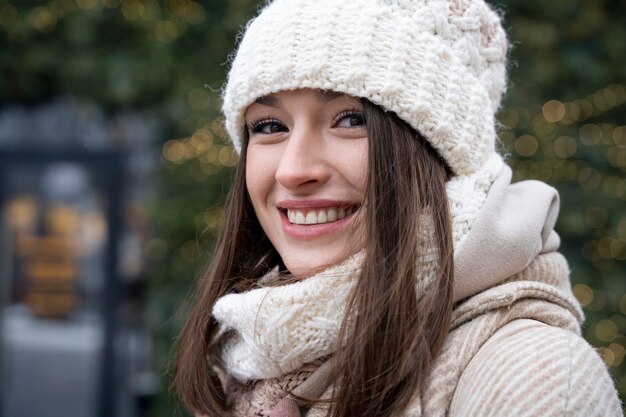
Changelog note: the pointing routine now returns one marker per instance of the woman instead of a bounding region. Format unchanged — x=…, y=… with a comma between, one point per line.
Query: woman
x=375, y=259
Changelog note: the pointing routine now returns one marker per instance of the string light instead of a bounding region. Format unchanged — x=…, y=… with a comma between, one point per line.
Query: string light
x=606, y=330
x=583, y=294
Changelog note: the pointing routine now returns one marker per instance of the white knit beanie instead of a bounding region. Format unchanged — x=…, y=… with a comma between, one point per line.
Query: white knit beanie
x=440, y=65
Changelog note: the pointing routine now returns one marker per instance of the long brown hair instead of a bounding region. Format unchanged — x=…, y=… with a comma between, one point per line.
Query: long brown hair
x=391, y=341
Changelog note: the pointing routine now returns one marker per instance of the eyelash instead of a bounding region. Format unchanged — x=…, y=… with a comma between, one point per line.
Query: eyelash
x=258, y=125
x=348, y=113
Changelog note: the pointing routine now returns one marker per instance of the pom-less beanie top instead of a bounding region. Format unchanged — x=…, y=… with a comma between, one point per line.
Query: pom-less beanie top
x=440, y=65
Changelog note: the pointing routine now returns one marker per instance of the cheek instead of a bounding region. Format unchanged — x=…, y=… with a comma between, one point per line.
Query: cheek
x=356, y=168
x=260, y=177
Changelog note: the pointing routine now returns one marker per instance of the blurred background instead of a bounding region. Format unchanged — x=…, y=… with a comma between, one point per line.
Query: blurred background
x=114, y=168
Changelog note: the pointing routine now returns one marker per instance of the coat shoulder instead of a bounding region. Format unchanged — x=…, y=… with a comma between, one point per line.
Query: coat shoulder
x=528, y=368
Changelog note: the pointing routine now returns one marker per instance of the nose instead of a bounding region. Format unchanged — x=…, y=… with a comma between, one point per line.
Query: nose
x=303, y=162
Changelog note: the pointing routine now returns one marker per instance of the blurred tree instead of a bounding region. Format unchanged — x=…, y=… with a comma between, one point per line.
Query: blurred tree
x=562, y=123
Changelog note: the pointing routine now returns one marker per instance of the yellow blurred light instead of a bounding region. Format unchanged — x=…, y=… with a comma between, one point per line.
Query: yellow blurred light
x=546, y=172
x=194, y=13
x=175, y=151
x=618, y=351
x=616, y=156
x=565, y=147
x=8, y=15
x=210, y=156
x=20, y=213
x=599, y=102
x=596, y=217
x=200, y=141
x=609, y=97
x=618, y=250
x=57, y=9
x=606, y=330
x=87, y=4
x=132, y=9
x=607, y=356
x=166, y=31
x=583, y=294
x=541, y=126
x=111, y=4
x=553, y=111
x=607, y=130
x=63, y=219
x=599, y=301
x=509, y=118
x=589, y=178
x=52, y=271
x=212, y=217
x=227, y=156
x=526, y=145
x=604, y=247
x=152, y=9
x=572, y=170
x=602, y=264
x=619, y=136
x=42, y=19
x=190, y=251
x=590, y=134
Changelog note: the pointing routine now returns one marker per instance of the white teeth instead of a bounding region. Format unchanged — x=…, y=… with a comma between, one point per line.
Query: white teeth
x=311, y=218
x=328, y=215
x=332, y=215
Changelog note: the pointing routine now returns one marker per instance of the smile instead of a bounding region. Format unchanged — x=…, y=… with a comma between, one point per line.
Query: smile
x=318, y=215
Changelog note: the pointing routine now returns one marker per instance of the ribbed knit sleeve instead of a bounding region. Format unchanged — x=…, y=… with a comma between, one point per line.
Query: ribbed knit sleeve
x=529, y=369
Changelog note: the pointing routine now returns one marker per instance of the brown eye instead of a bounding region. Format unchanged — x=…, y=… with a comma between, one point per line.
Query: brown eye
x=350, y=119
x=267, y=127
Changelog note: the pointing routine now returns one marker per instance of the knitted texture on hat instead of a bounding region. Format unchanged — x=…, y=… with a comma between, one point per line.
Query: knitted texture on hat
x=440, y=65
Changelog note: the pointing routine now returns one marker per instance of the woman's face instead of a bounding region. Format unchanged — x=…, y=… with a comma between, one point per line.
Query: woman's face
x=306, y=171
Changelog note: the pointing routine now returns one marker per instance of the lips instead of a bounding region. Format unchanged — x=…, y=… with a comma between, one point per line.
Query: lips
x=314, y=218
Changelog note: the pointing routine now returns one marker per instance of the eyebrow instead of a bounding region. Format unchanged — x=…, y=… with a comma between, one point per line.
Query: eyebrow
x=268, y=101
x=327, y=95
x=323, y=95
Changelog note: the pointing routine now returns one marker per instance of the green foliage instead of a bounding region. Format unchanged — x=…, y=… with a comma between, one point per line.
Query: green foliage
x=563, y=119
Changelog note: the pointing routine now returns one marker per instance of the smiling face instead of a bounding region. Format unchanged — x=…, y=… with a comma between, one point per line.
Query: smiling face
x=306, y=171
